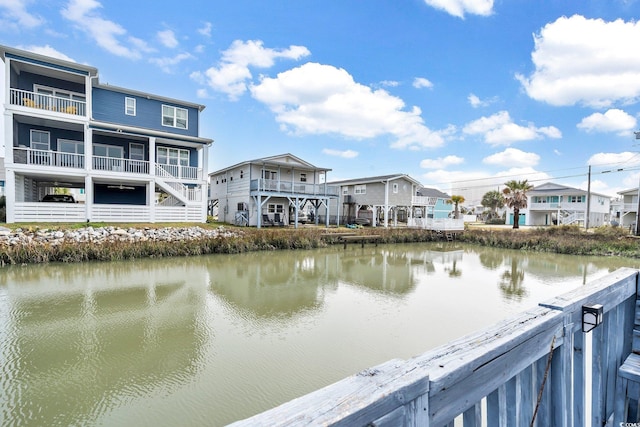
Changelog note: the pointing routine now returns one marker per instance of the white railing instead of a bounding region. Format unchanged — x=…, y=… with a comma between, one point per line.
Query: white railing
x=423, y=201
x=190, y=194
x=117, y=164
x=40, y=101
x=120, y=213
x=555, y=206
x=49, y=212
x=30, y=156
x=272, y=185
x=178, y=171
x=530, y=369
x=445, y=224
x=572, y=218
x=180, y=214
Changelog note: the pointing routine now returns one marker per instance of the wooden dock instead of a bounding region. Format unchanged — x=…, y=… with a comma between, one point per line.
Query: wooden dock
x=530, y=369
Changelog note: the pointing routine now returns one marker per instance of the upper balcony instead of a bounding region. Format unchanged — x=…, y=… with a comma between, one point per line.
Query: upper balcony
x=115, y=165
x=423, y=201
x=565, y=206
x=70, y=104
x=292, y=188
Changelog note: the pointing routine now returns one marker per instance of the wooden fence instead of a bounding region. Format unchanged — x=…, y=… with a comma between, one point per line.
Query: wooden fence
x=538, y=362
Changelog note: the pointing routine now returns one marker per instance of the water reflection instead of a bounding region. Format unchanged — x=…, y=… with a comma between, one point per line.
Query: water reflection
x=208, y=340
x=80, y=339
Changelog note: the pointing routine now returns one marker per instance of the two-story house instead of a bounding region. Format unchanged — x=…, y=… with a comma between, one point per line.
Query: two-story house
x=271, y=191
x=550, y=204
x=129, y=156
x=625, y=212
x=381, y=200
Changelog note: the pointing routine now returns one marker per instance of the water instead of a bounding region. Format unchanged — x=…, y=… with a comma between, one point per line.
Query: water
x=210, y=340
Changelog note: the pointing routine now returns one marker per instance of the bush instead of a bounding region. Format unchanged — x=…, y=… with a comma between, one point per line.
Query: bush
x=496, y=221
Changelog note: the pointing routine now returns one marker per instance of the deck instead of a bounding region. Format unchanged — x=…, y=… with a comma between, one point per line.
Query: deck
x=537, y=365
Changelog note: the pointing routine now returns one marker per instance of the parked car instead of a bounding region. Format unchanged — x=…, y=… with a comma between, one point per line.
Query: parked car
x=58, y=198
x=303, y=218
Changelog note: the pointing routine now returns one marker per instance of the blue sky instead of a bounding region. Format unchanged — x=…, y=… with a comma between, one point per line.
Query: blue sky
x=459, y=94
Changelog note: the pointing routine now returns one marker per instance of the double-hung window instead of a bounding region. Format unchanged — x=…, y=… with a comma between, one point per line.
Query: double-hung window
x=130, y=106
x=39, y=140
x=174, y=117
x=360, y=189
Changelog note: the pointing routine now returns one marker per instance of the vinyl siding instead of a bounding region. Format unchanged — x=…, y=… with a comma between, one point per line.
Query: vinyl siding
x=109, y=106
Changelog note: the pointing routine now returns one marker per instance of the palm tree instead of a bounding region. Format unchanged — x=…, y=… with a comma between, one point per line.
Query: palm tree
x=493, y=200
x=515, y=196
x=456, y=200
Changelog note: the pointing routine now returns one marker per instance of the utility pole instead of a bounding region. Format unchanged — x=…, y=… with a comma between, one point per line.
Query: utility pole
x=586, y=220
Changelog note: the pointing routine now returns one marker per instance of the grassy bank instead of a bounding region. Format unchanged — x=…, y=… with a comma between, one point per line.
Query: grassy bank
x=565, y=240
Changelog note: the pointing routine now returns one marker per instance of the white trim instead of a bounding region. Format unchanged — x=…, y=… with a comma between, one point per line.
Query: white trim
x=57, y=91
x=131, y=144
x=31, y=131
x=174, y=117
x=126, y=106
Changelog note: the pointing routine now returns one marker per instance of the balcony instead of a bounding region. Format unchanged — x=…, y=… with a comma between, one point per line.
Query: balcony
x=288, y=187
x=30, y=156
x=423, y=201
x=40, y=101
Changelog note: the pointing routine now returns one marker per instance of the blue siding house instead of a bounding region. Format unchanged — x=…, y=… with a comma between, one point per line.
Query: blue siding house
x=125, y=155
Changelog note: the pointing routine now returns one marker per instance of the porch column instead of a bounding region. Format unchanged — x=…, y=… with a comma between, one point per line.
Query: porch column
x=10, y=195
x=8, y=139
x=386, y=204
x=88, y=150
x=88, y=197
x=151, y=200
x=152, y=155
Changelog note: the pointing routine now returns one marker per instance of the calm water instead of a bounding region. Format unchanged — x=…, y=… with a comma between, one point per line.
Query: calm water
x=209, y=340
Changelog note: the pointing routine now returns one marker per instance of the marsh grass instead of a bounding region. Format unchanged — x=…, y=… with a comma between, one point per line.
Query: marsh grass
x=603, y=241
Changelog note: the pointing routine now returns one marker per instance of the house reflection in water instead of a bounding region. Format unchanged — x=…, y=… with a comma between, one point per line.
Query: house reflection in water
x=88, y=339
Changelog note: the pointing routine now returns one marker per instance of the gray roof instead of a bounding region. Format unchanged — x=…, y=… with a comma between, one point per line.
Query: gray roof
x=370, y=179
x=432, y=192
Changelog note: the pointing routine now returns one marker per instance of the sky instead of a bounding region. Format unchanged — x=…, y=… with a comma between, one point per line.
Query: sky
x=461, y=95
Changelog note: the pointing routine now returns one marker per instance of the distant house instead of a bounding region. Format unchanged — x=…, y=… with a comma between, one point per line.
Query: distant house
x=435, y=203
x=550, y=204
x=127, y=155
x=375, y=200
x=271, y=191
x=625, y=211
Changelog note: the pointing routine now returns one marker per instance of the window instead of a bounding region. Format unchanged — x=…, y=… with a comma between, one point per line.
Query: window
x=395, y=187
x=269, y=174
x=130, y=106
x=275, y=208
x=39, y=140
x=345, y=190
x=360, y=189
x=72, y=153
x=172, y=156
x=136, y=151
x=174, y=117
x=112, y=151
x=241, y=174
x=303, y=177
x=107, y=157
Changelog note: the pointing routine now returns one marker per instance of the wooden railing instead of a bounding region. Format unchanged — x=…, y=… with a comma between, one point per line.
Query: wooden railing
x=272, y=185
x=40, y=101
x=537, y=365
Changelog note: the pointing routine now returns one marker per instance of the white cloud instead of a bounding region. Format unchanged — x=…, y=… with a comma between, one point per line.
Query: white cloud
x=460, y=7
x=499, y=129
x=613, y=120
x=476, y=102
x=18, y=16
x=168, y=38
x=624, y=159
x=202, y=93
x=512, y=157
x=47, y=51
x=389, y=83
x=232, y=73
x=167, y=64
x=107, y=34
x=585, y=61
x=631, y=181
x=345, y=154
x=206, y=29
x=322, y=99
x=420, y=82
x=441, y=162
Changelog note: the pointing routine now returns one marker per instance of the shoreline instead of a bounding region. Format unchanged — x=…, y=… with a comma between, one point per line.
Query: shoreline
x=34, y=245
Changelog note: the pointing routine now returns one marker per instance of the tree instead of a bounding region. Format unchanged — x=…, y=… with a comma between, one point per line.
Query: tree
x=494, y=201
x=515, y=197
x=456, y=200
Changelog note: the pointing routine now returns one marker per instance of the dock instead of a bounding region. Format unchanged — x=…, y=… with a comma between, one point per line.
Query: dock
x=536, y=368
x=345, y=238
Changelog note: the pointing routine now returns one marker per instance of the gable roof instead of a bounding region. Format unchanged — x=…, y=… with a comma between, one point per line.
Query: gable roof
x=432, y=192
x=373, y=179
x=551, y=187
x=281, y=160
